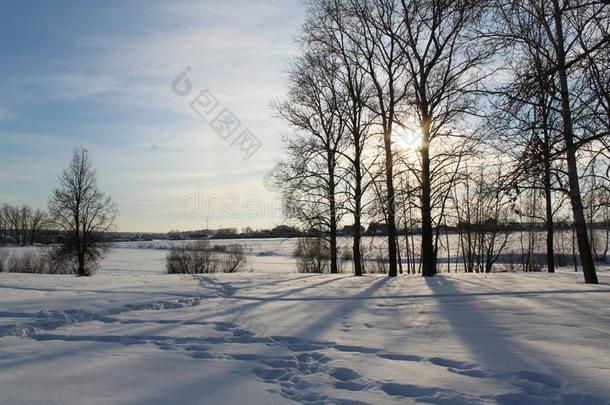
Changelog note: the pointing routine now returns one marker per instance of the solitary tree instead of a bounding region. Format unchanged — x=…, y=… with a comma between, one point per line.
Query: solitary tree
x=82, y=213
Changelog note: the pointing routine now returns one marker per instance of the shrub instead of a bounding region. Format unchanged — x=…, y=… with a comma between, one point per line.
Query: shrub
x=63, y=261
x=220, y=248
x=199, y=258
x=375, y=260
x=36, y=263
x=3, y=256
x=313, y=255
x=380, y=263
x=347, y=255
x=234, y=259
x=191, y=262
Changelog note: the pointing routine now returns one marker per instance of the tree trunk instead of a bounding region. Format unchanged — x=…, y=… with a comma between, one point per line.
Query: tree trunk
x=550, y=226
x=333, y=219
x=81, y=264
x=357, y=237
x=568, y=133
x=398, y=257
x=333, y=238
x=427, y=248
x=356, y=251
x=391, y=225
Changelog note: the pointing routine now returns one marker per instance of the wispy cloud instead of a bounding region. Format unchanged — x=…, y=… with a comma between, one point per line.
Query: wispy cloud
x=29, y=139
x=110, y=90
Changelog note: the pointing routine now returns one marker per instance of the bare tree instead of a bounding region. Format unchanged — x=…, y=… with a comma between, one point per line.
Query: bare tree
x=25, y=216
x=3, y=224
x=309, y=178
x=527, y=123
x=330, y=27
x=12, y=216
x=444, y=57
x=574, y=34
x=596, y=199
x=20, y=223
x=483, y=220
x=83, y=214
x=38, y=221
x=375, y=28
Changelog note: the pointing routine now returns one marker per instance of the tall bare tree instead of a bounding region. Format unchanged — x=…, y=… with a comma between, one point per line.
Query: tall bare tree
x=444, y=57
x=309, y=179
x=329, y=27
x=574, y=33
x=526, y=121
x=375, y=30
x=83, y=214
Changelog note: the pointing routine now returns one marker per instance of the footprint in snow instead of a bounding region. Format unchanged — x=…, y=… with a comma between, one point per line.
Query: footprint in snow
x=400, y=357
x=344, y=374
x=455, y=364
x=407, y=390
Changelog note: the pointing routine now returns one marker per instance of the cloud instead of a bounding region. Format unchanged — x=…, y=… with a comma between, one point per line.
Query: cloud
x=146, y=142
x=4, y=114
x=29, y=139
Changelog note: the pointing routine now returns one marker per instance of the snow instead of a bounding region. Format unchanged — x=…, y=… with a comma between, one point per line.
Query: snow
x=131, y=334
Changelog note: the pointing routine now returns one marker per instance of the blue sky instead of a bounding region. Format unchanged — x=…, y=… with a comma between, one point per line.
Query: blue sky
x=99, y=74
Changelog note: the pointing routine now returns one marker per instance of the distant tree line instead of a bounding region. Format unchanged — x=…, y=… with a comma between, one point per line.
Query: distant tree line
x=21, y=225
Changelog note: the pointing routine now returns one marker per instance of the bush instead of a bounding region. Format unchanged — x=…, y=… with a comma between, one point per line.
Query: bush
x=380, y=262
x=524, y=262
x=220, y=248
x=3, y=256
x=62, y=260
x=374, y=260
x=234, y=259
x=34, y=263
x=313, y=255
x=191, y=262
x=347, y=255
x=199, y=258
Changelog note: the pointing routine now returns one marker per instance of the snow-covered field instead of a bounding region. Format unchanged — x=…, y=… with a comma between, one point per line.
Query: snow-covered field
x=134, y=335
x=264, y=255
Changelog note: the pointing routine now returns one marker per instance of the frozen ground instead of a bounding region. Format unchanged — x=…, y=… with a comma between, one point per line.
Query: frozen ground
x=135, y=337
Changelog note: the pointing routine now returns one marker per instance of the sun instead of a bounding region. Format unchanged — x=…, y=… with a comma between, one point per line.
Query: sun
x=408, y=137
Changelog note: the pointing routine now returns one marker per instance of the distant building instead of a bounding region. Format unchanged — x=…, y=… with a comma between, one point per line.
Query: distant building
x=377, y=228
x=349, y=230
x=284, y=231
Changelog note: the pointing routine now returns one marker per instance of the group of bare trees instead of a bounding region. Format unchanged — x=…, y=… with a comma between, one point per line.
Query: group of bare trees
x=21, y=224
x=432, y=115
